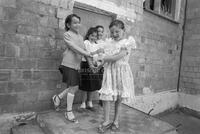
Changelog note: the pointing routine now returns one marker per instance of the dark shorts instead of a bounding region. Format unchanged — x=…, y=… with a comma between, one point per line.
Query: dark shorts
x=70, y=76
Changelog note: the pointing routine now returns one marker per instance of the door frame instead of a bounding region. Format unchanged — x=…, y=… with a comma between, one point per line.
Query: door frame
x=94, y=9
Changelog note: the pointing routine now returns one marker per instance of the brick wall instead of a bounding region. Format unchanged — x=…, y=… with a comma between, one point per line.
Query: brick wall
x=30, y=52
x=190, y=70
x=156, y=62
x=31, y=46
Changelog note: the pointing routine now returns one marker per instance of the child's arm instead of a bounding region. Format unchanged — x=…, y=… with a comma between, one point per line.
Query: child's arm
x=89, y=60
x=113, y=58
x=74, y=47
x=100, y=50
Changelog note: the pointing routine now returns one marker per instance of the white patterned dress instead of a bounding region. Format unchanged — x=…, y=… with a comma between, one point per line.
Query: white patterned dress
x=117, y=77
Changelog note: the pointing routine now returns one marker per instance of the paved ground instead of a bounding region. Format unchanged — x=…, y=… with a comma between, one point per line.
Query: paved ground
x=132, y=122
x=189, y=124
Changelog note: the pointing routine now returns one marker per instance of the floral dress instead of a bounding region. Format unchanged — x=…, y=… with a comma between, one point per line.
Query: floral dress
x=117, y=77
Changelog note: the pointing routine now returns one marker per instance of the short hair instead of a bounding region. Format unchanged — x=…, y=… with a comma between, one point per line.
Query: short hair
x=68, y=20
x=117, y=23
x=89, y=32
x=99, y=26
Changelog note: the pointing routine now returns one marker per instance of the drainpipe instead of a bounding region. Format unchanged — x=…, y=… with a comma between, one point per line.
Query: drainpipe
x=182, y=42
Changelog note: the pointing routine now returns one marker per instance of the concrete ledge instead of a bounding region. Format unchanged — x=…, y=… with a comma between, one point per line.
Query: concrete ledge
x=189, y=101
x=156, y=103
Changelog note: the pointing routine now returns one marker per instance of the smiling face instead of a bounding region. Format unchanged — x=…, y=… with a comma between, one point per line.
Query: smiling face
x=116, y=33
x=75, y=24
x=100, y=31
x=93, y=37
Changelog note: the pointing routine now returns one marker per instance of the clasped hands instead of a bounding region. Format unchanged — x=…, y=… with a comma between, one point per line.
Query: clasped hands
x=96, y=62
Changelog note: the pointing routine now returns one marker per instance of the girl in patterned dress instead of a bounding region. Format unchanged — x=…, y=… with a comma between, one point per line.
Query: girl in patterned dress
x=118, y=84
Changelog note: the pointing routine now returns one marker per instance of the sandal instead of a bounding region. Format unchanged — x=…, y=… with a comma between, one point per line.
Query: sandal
x=73, y=120
x=114, y=127
x=102, y=128
x=54, y=98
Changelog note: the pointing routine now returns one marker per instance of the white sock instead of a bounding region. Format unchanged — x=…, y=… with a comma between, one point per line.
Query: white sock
x=70, y=100
x=83, y=105
x=90, y=104
x=63, y=93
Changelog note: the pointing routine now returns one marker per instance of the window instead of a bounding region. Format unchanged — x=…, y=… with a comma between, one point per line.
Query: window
x=166, y=8
x=149, y=4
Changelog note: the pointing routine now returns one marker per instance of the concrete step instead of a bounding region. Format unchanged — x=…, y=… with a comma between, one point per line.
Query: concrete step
x=132, y=122
x=26, y=128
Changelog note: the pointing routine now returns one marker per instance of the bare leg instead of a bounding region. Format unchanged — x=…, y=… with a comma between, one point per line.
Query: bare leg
x=106, y=108
x=117, y=110
x=57, y=98
x=84, y=97
x=89, y=99
x=70, y=100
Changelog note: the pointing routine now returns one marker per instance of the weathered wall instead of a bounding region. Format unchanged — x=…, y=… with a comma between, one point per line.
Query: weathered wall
x=30, y=42
x=190, y=69
x=30, y=51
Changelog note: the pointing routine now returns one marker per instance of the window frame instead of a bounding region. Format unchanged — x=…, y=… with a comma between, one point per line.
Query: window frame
x=157, y=10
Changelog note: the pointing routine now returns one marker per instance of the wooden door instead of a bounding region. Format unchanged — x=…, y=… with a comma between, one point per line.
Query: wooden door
x=91, y=18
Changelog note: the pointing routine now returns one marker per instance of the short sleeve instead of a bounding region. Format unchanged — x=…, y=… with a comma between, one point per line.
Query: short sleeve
x=130, y=43
x=67, y=37
x=87, y=45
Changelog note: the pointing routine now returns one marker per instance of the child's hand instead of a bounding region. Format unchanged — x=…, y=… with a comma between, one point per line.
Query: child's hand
x=100, y=50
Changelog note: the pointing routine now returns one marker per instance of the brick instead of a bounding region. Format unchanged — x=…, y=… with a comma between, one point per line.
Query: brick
x=8, y=27
x=55, y=3
x=47, y=64
x=46, y=10
x=39, y=52
x=67, y=4
x=29, y=5
x=52, y=22
x=11, y=108
x=17, y=86
x=46, y=75
x=7, y=63
x=5, y=75
x=10, y=13
x=14, y=38
x=44, y=1
x=2, y=50
x=27, y=30
x=59, y=33
x=61, y=24
x=27, y=97
x=12, y=50
x=26, y=63
x=43, y=20
x=36, y=41
x=37, y=106
x=8, y=99
x=43, y=85
x=27, y=17
x=8, y=3
x=3, y=87
x=45, y=95
x=1, y=13
x=63, y=13
x=27, y=74
x=47, y=32
x=37, y=85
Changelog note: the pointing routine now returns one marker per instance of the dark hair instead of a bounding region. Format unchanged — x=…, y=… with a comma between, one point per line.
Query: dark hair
x=89, y=32
x=99, y=26
x=68, y=20
x=117, y=23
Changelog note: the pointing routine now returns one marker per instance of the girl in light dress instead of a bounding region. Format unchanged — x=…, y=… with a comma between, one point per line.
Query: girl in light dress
x=90, y=74
x=118, y=84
